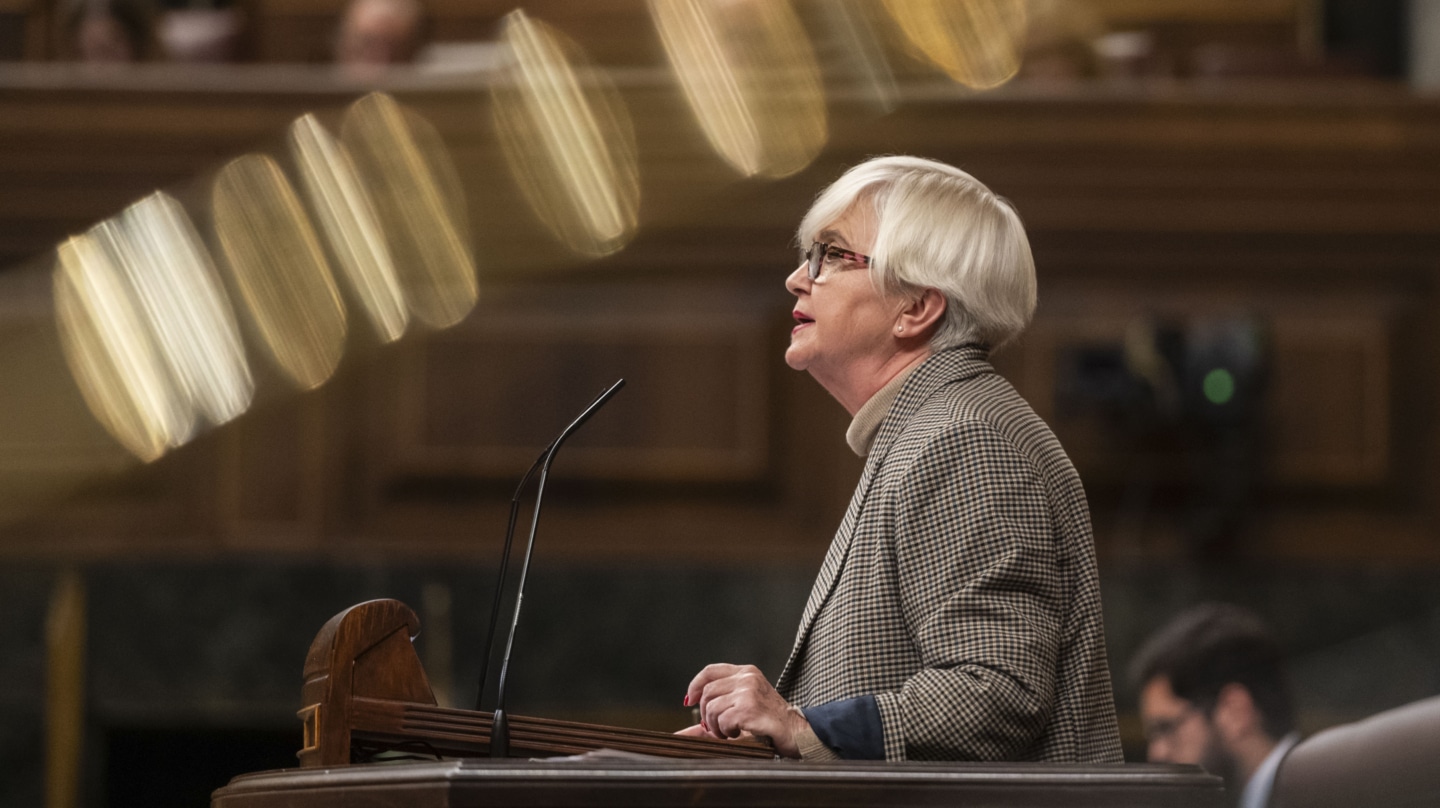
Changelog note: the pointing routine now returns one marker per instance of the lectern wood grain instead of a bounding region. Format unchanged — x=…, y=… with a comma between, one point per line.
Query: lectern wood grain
x=365, y=690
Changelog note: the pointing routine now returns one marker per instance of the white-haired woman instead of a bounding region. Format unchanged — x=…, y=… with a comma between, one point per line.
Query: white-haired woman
x=957, y=613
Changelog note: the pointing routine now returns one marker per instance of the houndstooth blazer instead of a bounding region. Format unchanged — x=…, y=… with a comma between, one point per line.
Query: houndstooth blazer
x=961, y=588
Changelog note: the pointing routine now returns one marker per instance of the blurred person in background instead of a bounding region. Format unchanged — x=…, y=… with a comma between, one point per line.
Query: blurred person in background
x=107, y=31
x=1060, y=40
x=204, y=35
x=374, y=34
x=1213, y=692
x=957, y=613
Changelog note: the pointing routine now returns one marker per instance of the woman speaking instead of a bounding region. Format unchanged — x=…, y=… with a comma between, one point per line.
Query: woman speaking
x=957, y=613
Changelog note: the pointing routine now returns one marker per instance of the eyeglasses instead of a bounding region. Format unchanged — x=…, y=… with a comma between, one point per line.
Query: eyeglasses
x=1162, y=729
x=822, y=258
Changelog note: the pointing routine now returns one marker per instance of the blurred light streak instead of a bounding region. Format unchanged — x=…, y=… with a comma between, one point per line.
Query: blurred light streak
x=404, y=163
x=978, y=43
x=749, y=72
x=279, y=268
x=187, y=307
x=108, y=346
x=568, y=139
x=862, y=50
x=351, y=226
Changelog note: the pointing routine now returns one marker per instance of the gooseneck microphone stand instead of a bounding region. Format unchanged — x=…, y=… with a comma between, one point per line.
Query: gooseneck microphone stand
x=500, y=580
x=500, y=727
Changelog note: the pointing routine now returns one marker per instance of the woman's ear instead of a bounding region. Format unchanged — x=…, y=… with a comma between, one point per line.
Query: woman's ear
x=921, y=315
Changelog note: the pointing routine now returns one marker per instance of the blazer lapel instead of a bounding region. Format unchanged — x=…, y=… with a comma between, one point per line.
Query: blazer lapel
x=830, y=568
x=936, y=372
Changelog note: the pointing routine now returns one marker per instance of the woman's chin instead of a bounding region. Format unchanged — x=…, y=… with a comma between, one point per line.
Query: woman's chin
x=796, y=358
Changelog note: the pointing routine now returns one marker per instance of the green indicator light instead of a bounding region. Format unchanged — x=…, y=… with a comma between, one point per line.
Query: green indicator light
x=1219, y=386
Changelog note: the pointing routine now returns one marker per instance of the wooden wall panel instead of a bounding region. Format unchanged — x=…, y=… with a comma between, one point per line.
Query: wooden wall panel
x=1328, y=400
x=273, y=478
x=1312, y=208
x=482, y=400
x=49, y=441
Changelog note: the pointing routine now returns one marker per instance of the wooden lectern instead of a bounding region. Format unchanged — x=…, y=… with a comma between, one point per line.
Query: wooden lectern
x=569, y=783
x=365, y=691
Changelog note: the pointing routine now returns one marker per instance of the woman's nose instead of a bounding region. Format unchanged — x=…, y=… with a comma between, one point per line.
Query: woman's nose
x=799, y=280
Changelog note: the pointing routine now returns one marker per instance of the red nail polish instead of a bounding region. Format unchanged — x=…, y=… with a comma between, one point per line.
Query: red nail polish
x=687, y=700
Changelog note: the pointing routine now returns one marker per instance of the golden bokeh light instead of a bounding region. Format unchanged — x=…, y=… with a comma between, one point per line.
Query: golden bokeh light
x=348, y=219
x=750, y=75
x=147, y=329
x=568, y=139
x=279, y=268
x=404, y=164
x=978, y=43
x=186, y=305
x=110, y=350
x=855, y=26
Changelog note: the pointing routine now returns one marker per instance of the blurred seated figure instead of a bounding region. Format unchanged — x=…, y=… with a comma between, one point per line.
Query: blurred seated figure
x=1213, y=692
x=377, y=33
x=107, y=31
x=203, y=35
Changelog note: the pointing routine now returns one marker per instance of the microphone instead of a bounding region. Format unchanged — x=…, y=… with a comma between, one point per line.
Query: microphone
x=500, y=727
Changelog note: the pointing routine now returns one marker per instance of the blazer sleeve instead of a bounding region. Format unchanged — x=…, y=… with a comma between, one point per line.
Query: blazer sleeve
x=981, y=588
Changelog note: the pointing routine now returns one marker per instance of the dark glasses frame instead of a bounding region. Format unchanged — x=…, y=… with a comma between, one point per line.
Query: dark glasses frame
x=819, y=251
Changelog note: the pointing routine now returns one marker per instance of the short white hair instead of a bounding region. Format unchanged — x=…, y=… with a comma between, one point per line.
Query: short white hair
x=938, y=227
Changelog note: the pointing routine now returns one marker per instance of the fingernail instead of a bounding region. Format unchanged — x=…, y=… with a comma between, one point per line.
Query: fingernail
x=687, y=699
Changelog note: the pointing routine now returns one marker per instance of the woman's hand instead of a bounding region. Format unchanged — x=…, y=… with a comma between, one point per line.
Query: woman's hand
x=737, y=699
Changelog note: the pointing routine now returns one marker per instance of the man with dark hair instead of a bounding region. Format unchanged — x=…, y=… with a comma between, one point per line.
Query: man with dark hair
x=1213, y=692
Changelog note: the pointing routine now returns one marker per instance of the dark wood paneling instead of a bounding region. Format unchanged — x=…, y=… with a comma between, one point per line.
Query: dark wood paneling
x=273, y=478
x=1312, y=208
x=1329, y=401
x=1328, y=398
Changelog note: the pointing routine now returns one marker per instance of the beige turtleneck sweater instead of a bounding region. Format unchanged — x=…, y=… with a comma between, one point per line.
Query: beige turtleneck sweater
x=867, y=421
